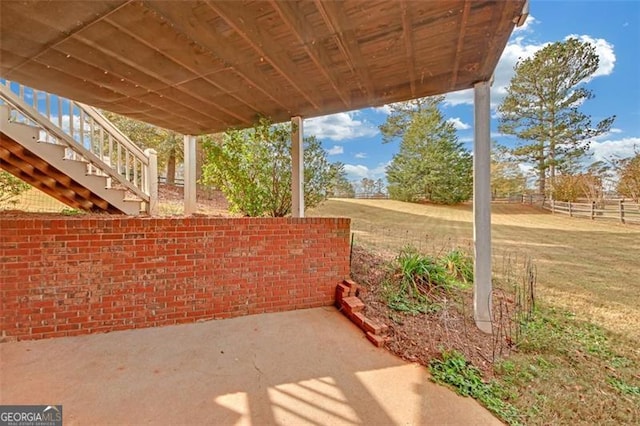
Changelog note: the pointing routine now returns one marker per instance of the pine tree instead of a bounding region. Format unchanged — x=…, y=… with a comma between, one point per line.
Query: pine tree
x=542, y=108
x=431, y=164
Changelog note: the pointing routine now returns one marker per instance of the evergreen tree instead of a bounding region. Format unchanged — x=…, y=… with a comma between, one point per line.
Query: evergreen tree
x=542, y=108
x=340, y=186
x=506, y=176
x=431, y=164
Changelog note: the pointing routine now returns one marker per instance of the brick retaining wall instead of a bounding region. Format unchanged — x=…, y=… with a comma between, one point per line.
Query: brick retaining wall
x=70, y=276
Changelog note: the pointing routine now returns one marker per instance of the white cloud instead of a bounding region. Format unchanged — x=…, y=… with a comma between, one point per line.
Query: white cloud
x=358, y=171
x=339, y=127
x=335, y=150
x=526, y=168
x=621, y=148
x=527, y=26
x=361, y=155
x=604, y=50
x=500, y=135
x=608, y=135
x=384, y=109
x=458, y=123
x=461, y=97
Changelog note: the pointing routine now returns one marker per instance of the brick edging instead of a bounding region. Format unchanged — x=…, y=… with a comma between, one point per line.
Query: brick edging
x=348, y=302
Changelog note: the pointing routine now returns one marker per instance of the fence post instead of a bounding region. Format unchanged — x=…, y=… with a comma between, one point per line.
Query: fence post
x=593, y=210
x=570, y=212
x=621, y=207
x=553, y=206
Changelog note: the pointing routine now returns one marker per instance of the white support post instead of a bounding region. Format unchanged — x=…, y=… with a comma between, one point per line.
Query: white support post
x=297, y=168
x=152, y=180
x=190, y=206
x=482, y=207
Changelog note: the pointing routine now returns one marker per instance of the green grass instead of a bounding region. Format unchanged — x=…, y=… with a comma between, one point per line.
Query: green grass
x=577, y=360
x=589, y=268
x=454, y=370
x=568, y=371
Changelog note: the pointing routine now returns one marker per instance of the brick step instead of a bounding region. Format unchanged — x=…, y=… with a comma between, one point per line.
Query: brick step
x=352, y=304
x=348, y=302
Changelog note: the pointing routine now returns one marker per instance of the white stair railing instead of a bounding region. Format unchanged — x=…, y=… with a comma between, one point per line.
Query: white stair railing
x=88, y=136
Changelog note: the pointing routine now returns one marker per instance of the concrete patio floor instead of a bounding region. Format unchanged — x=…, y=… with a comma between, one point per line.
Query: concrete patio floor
x=307, y=367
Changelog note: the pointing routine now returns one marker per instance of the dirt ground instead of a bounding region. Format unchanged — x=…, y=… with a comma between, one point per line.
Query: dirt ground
x=211, y=202
x=419, y=338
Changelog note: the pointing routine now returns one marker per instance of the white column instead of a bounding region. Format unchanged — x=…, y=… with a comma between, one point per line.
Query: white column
x=190, y=206
x=297, y=168
x=482, y=207
x=152, y=181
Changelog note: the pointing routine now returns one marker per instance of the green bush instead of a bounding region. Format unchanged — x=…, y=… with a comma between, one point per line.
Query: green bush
x=11, y=187
x=417, y=281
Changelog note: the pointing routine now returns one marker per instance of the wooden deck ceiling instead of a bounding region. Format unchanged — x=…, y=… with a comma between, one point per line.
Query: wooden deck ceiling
x=204, y=66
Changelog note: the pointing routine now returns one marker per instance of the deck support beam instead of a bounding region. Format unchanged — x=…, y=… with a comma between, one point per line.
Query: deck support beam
x=190, y=204
x=297, y=168
x=482, y=287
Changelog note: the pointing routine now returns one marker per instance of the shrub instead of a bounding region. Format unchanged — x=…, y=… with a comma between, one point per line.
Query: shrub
x=11, y=187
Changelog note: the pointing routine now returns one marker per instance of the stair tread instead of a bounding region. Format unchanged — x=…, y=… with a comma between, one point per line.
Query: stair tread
x=74, y=192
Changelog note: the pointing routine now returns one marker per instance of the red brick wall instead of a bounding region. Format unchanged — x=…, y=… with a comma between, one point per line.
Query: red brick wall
x=70, y=276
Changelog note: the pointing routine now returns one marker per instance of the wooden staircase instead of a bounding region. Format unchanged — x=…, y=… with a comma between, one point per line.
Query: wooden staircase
x=31, y=149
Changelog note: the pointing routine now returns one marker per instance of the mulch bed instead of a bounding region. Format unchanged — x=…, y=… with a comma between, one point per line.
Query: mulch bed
x=419, y=338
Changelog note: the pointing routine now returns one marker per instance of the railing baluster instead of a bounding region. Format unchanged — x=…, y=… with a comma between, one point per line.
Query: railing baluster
x=60, y=112
x=135, y=171
x=92, y=137
x=47, y=101
x=111, y=151
x=101, y=146
x=84, y=139
x=142, y=171
x=126, y=163
x=71, y=120
x=119, y=165
x=82, y=135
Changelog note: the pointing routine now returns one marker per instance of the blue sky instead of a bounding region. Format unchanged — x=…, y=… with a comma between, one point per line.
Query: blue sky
x=613, y=27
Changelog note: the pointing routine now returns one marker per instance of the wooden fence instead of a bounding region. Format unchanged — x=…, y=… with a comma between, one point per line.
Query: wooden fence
x=620, y=210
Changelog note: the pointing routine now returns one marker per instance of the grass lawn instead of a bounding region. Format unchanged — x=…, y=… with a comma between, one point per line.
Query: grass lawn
x=589, y=268
x=579, y=360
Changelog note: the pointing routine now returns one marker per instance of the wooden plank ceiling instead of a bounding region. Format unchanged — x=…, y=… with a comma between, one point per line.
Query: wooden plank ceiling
x=205, y=66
